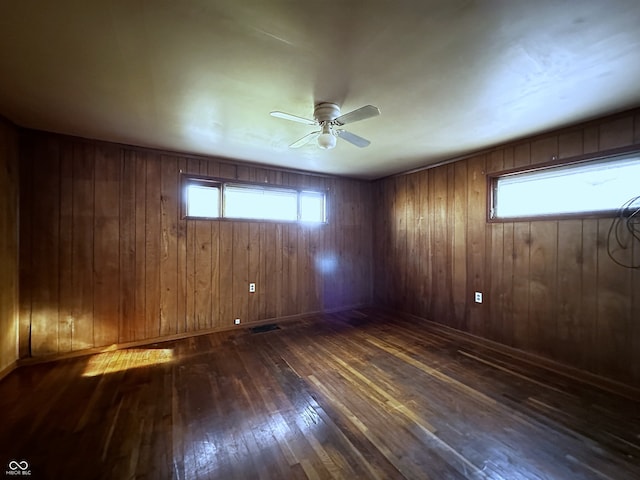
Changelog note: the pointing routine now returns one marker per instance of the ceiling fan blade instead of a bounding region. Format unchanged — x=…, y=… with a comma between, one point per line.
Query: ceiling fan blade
x=304, y=140
x=361, y=113
x=353, y=138
x=293, y=118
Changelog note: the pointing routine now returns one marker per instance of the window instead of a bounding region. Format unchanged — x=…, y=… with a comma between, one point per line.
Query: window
x=202, y=200
x=581, y=188
x=251, y=202
x=312, y=207
x=215, y=198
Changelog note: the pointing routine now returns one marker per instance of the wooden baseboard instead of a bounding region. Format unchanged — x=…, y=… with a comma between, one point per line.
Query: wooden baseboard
x=170, y=338
x=8, y=369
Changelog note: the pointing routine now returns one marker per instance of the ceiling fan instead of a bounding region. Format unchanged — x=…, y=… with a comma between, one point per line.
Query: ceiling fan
x=327, y=117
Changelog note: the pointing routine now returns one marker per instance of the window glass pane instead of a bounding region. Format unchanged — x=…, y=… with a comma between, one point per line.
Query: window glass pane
x=312, y=207
x=592, y=187
x=259, y=203
x=203, y=201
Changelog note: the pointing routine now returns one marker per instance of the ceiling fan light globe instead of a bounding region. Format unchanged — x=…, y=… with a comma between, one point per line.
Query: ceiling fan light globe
x=326, y=141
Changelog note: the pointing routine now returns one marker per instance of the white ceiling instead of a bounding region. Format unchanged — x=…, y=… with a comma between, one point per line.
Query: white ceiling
x=449, y=76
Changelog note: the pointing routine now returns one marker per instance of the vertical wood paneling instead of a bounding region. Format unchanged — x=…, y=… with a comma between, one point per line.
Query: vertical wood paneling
x=9, y=254
x=544, y=149
x=543, y=264
x=571, y=328
x=383, y=267
x=181, y=323
x=614, y=295
x=520, y=305
x=106, y=252
x=589, y=294
x=549, y=286
x=442, y=272
x=412, y=222
x=82, y=278
x=460, y=223
x=290, y=269
x=616, y=133
x=115, y=261
x=570, y=144
x=240, y=268
x=307, y=247
x=215, y=276
x=508, y=330
x=203, y=262
x=496, y=298
x=399, y=286
x=343, y=207
x=433, y=233
x=127, y=240
x=213, y=169
x=169, y=214
x=279, y=265
x=447, y=240
x=44, y=250
x=613, y=328
x=267, y=286
x=225, y=294
x=65, y=328
x=255, y=266
x=423, y=238
x=152, y=246
x=330, y=261
x=139, y=226
x=24, y=158
x=191, y=263
x=382, y=230
x=477, y=281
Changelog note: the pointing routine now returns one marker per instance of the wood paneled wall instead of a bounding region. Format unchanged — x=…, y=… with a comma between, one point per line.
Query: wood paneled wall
x=107, y=258
x=8, y=245
x=549, y=286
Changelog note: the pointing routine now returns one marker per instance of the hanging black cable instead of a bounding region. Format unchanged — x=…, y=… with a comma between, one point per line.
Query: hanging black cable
x=624, y=231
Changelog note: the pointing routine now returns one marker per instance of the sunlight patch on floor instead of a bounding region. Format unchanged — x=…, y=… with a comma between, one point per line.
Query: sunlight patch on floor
x=120, y=360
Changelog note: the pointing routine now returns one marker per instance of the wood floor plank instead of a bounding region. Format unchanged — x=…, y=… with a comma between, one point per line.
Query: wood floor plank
x=365, y=393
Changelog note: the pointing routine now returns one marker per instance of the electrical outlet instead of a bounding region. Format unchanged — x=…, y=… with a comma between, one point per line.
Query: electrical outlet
x=237, y=321
x=478, y=297
x=252, y=288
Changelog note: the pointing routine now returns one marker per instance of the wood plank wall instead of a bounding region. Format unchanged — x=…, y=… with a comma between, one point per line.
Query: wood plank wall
x=549, y=286
x=8, y=245
x=107, y=258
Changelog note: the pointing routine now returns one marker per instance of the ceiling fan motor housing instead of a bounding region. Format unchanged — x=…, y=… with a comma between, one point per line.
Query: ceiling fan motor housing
x=326, y=112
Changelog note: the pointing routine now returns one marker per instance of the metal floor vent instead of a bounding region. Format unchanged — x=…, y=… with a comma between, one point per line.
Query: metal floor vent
x=264, y=328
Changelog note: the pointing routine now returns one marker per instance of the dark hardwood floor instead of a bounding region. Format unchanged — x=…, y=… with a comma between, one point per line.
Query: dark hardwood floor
x=361, y=394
